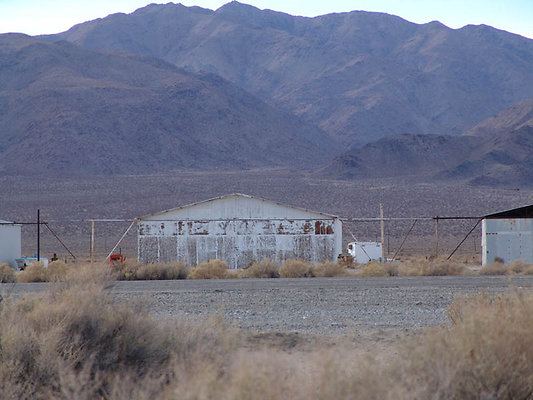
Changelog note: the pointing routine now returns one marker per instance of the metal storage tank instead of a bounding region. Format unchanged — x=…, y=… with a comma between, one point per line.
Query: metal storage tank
x=508, y=235
x=238, y=229
x=10, y=243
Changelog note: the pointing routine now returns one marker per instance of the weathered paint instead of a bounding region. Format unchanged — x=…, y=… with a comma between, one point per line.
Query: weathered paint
x=10, y=243
x=238, y=229
x=508, y=239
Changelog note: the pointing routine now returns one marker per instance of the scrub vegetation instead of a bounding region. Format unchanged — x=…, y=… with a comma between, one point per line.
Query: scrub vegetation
x=217, y=269
x=75, y=341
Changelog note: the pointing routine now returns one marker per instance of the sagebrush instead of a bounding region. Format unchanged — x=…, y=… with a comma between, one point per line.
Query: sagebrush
x=262, y=269
x=76, y=341
x=296, y=269
x=213, y=269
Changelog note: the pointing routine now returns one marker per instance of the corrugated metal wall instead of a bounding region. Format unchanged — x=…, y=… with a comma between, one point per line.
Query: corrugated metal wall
x=509, y=239
x=10, y=244
x=238, y=242
x=238, y=229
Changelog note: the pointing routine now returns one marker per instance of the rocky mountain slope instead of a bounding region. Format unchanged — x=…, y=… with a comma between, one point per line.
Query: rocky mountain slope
x=69, y=110
x=497, y=152
x=359, y=76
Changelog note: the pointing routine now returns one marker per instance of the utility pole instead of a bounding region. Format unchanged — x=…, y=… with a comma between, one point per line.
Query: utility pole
x=436, y=236
x=92, y=242
x=38, y=235
x=382, y=233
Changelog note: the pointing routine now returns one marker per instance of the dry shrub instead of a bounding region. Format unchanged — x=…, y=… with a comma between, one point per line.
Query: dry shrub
x=57, y=271
x=486, y=353
x=77, y=342
x=125, y=271
x=262, y=269
x=374, y=268
x=431, y=267
x=162, y=271
x=213, y=269
x=442, y=268
x=515, y=267
x=520, y=267
x=36, y=272
x=81, y=331
x=296, y=269
x=7, y=274
x=330, y=269
x=495, y=268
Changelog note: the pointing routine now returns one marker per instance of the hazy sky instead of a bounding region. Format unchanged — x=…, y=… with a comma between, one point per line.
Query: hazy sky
x=52, y=16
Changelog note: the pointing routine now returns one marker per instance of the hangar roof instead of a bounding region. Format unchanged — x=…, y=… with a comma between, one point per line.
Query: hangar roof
x=236, y=206
x=521, y=212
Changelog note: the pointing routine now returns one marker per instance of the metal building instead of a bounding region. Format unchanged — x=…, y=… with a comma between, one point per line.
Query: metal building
x=508, y=235
x=238, y=229
x=10, y=243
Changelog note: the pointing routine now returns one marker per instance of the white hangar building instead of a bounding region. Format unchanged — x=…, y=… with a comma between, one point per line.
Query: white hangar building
x=238, y=229
x=508, y=235
x=10, y=243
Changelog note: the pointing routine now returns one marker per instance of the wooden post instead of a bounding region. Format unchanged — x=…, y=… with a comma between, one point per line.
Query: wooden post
x=38, y=235
x=382, y=233
x=436, y=236
x=92, y=242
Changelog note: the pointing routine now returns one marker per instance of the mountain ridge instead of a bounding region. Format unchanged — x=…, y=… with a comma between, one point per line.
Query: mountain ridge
x=357, y=75
x=68, y=110
x=498, y=152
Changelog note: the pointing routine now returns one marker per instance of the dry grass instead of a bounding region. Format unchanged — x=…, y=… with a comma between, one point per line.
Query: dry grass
x=374, y=268
x=163, y=271
x=7, y=274
x=57, y=271
x=431, y=267
x=76, y=342
x=296, y=269
x=132, y=270
x=515, y=267
x=36, y=272
x=520, y=267
x=213, y=269
x=496, y=268
x=126, y=271
x=262, y=269
x=485, y=353
x=330, y=269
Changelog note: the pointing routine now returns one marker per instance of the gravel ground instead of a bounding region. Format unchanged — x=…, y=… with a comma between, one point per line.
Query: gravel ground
x=324, y=306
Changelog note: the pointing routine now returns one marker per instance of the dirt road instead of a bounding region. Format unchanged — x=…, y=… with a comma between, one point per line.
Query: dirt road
x=315, y=306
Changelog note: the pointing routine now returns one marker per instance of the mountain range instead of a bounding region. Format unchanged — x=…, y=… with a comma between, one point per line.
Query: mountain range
x=496, y=152
x=69, y=110
x=359, y=76
x=348, y=96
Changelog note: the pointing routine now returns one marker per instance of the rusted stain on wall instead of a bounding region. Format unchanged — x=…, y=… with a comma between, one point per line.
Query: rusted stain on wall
x=238, y=242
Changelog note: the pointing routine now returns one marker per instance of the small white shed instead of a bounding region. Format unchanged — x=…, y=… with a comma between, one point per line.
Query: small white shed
x=508, y=235
x=238, y=229
x=10, y=243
